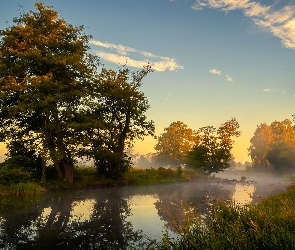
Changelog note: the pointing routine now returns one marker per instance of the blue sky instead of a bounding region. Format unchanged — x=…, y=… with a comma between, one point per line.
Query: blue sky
x=213, y=59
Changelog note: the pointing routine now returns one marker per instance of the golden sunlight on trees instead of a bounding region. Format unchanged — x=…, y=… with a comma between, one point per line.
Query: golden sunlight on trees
x=212, y=153
x=54, y=103
x=174, y=143
x=45, y=74
x=208, y=149
x=273, y=146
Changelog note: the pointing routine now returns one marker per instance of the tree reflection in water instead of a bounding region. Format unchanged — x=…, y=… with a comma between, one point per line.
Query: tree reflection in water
x=106, y=227
x=102, y=218
x=180, y=205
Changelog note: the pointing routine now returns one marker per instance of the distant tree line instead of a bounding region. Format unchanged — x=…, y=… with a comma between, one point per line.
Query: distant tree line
x=273, y=147
x=207, y=149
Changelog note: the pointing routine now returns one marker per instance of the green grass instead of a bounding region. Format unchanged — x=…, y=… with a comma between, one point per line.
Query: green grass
x=83, y=178
x=88, y=177
x=20, y=189
x=142, y=177
x=268, y=225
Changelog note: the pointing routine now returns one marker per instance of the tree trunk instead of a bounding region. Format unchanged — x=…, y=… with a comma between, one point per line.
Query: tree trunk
x=68, y=170
x=51, y=148
x=68, y=167
x=123, y=135
x=57, y=150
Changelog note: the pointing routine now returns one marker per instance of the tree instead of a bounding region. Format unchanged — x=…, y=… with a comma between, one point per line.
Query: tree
x=22, y=164
x=212, y=154
x=282, y=158
x=46, y=75
x=266, y=138
x=174, y=143
x=119, y=112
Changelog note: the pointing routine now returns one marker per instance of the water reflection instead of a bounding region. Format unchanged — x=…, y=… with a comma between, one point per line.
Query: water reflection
x=243, y=193
x=114, y=218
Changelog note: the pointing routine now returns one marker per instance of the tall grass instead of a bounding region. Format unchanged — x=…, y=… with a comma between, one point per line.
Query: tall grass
x=268, y=225
x=20, y=189
x=141, y=177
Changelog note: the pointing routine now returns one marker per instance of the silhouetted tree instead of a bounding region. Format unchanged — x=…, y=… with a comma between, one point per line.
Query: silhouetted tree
x=212, y=154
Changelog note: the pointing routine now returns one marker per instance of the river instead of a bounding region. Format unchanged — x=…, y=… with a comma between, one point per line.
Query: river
x=118, y=217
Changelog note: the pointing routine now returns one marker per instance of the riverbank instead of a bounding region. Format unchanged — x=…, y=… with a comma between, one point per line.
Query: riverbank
x=267, y=225
x=89, y=178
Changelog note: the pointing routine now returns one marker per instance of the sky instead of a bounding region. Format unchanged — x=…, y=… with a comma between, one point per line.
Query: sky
x=212, y=59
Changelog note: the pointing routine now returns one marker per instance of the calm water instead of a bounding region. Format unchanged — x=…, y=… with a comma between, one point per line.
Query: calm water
x=115, y=218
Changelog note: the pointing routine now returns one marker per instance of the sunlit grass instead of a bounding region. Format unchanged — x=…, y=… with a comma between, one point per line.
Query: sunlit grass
x=268, y=225
x=149, y=176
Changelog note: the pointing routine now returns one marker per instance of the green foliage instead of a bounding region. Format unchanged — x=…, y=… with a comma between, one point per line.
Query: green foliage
x=173, y=145
x=20, y=189
x=14, y=175
x=21, y=157
x=53, y=99
x=119, y=114
x=45, y=76
x=269, y=225
x=270, y=137
x=141, y=177
x=212, y=154
x=112, y=164
x=282, y=158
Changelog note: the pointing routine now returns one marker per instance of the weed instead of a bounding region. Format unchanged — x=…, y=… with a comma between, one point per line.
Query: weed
x=268, y=225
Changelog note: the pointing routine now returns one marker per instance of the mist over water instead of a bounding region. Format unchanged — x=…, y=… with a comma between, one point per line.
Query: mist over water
x=123, y=216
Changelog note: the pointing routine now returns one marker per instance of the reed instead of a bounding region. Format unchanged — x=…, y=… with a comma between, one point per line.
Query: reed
x=268, y=225
x=20, y=189
x=141, y=177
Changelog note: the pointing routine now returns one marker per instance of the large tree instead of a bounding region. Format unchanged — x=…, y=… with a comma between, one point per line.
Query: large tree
x=119, y=117
x=174, y=143
x=46, y=75
x=212, y=153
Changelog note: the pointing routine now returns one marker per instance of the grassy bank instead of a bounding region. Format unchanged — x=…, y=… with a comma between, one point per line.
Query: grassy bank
x=268, y=225
x=20, y=189
x=88, y=177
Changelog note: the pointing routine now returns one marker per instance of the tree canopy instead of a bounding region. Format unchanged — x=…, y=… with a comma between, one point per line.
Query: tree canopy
x=52, y=96
x=273, y=144
x=120, y=109
x=212, y=153
x=173, y=145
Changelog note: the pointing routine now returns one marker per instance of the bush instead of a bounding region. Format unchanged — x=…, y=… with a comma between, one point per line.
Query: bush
x=20, y=168
x=13, y=175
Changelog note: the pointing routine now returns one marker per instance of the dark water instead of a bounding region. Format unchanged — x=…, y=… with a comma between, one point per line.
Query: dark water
x=115, y=218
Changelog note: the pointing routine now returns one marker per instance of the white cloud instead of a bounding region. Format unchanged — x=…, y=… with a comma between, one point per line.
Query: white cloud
x=274, y=90
x=162, y=64
x=215, y=72
x=280, y=22
x=230, y=79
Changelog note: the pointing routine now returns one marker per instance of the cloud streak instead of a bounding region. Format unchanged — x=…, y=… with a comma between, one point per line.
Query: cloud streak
x=230, y=79
x=215, y=72
x=218, y=72
x=159, y=63
x=274, y=90
x=280, y=22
